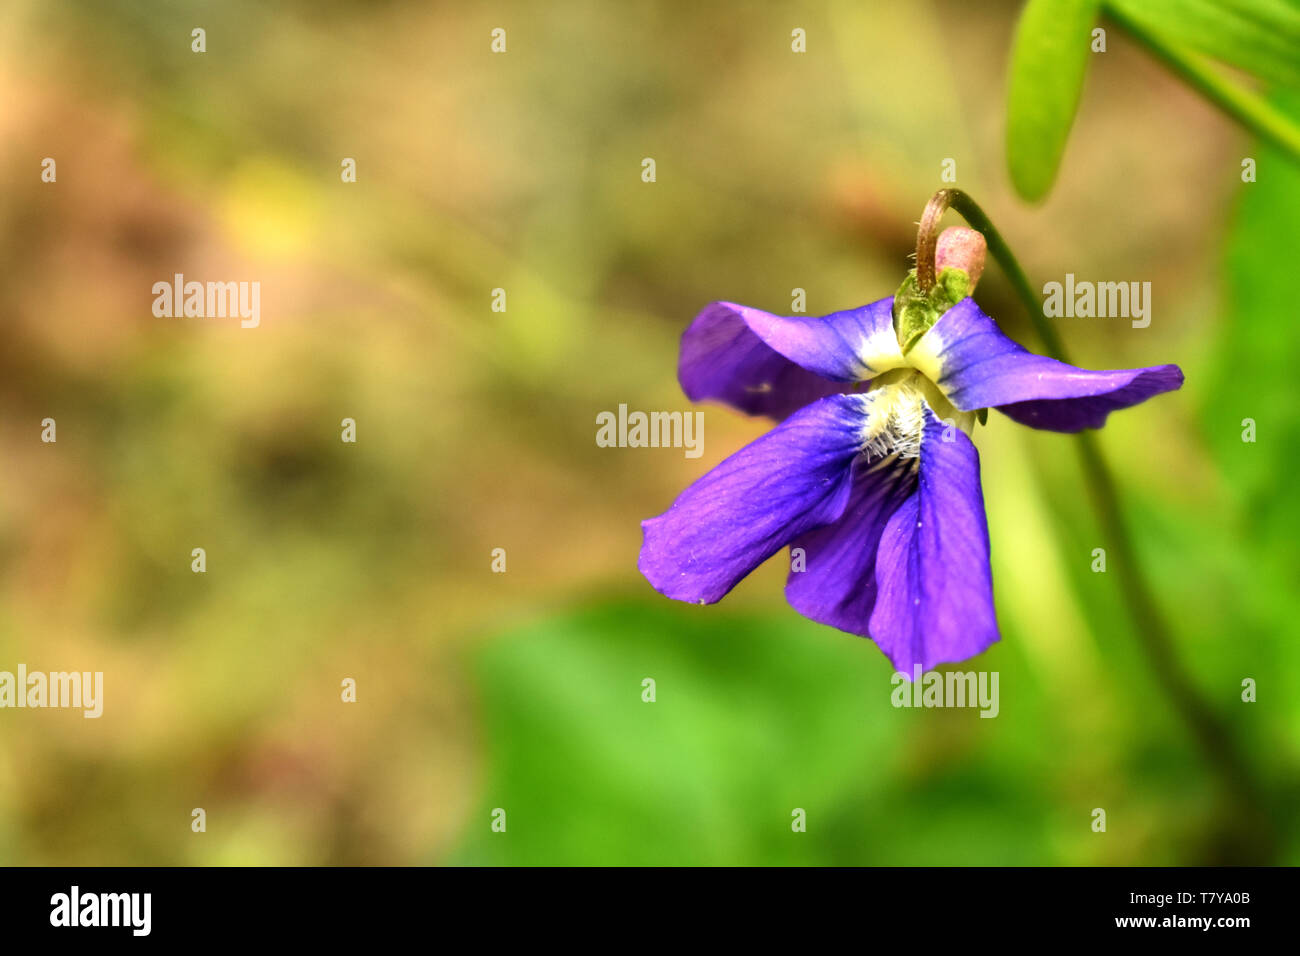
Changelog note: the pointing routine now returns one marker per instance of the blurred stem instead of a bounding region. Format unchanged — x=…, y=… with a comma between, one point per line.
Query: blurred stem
x=1248, y=109
x=1211, y=733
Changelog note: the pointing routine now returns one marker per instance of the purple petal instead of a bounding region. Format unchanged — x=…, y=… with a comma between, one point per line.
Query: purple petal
x=795, y=478
x=838, y=583
x=967, y=356
x=765, y=364
x=935, y=587
x=1076, y=414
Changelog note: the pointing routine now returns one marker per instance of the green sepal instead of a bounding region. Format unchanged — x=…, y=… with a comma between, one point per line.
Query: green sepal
x=915, y=313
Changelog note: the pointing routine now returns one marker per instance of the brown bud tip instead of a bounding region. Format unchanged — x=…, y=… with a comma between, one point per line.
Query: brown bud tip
x=961, y=248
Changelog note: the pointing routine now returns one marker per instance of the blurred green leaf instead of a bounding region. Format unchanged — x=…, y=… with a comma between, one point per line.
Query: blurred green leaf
x=1048, y=63
x=749, y=721
x=1249, y=547
x=1250, y=382
x=754, y=716
x=1261, y=37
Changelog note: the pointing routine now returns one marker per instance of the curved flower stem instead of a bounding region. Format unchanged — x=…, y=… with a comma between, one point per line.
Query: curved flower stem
x=927, y=237
x=1211, y=733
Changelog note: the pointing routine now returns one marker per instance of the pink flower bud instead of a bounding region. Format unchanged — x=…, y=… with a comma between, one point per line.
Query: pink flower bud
x=961, y=248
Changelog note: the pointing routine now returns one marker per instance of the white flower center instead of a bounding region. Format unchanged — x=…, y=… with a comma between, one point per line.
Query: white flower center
x=895, y=405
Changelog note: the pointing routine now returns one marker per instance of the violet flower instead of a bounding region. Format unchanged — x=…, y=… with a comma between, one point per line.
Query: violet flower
x=870, y=471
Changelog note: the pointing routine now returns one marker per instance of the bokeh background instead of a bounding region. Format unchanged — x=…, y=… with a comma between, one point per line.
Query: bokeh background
x=476, y=430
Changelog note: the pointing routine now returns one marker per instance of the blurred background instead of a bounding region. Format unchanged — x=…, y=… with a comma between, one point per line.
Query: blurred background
x=476, y=429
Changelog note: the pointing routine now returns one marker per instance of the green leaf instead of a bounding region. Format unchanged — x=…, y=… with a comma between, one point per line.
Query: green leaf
x=1254, y=376
x=1261, y=37
x=754, y=715
x=1048, y=63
